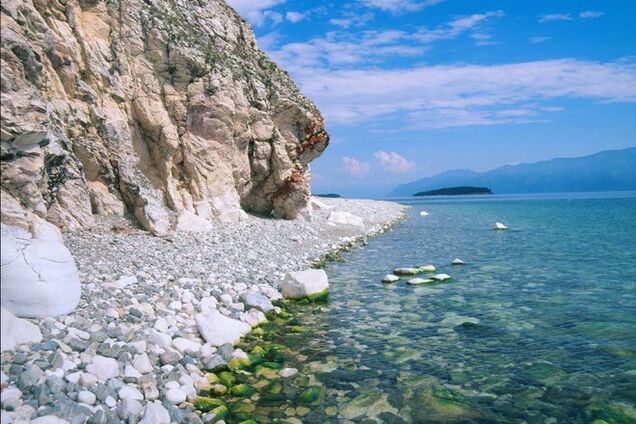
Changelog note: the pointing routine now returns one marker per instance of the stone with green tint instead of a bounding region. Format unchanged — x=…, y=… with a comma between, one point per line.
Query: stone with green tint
x=272, y=365
x=220, y=411
x=250, y=421
x=268, y=373
x=242, y=390
x=226, y=378
x=206, y=404
x=310, y=395
x=297, y=329
x=238, y=364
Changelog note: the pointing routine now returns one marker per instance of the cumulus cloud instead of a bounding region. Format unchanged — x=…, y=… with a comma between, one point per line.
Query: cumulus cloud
x=396, y=6
x=257, y=11
x=591, y=14
x=393, y=162
x=556, y=17
x=354, y=167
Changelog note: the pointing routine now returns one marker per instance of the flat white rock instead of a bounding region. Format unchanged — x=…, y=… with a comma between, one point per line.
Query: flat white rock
x=304, y=283
x=39, y=277
x=441, y=277
x=155, y=413
x=427, y=268
x=345, y=219
x=423, y=213
x=103, y=368
x=142, y=363
x=418, y=281
x=175, y=396
x=406, y=271
x=218, y=329
x=390, y=278
x=15, y=331
x=500, y=226
x=457, y=261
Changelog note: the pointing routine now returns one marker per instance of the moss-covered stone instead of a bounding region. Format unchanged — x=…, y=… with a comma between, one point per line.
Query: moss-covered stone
x=242, y=390
x=310, y=395
x=206, y=404
x=226, y=378
x=239, y=364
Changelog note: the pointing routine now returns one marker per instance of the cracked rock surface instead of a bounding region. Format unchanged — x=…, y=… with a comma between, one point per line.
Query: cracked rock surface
x=164, y=111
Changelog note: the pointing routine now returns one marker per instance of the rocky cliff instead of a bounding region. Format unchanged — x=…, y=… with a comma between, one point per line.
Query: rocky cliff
x=162, y=110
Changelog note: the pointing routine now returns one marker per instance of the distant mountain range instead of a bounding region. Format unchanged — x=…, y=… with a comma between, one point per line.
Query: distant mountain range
x=610, y=170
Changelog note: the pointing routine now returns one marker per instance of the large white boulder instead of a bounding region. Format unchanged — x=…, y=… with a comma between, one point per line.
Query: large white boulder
x=312, y=282
x=218, y=329
x=318, y=204
x=345, y=219
x=188, y=221
x=15, y=331
x=39, y=275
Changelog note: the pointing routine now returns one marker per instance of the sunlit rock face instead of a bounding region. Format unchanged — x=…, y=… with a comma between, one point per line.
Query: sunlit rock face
x=158, y=109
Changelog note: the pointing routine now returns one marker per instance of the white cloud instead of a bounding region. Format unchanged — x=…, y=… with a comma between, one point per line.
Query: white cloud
x=396, y=6
x=556, y=17
x=354, y=167
x=352, y=20
x=591, y=14
x=456, y=27
x=394, y=163
x=458, y=95
x=257, y=11
x=295, y=17
x=538, y=39
x=344, y=48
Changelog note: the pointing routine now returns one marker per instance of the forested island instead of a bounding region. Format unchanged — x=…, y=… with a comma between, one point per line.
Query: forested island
x=455, y=191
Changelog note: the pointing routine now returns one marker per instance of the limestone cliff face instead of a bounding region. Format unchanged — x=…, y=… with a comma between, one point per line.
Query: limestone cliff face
x=164, y=109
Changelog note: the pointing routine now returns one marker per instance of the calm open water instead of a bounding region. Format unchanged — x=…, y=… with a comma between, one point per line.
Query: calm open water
x=539, y=326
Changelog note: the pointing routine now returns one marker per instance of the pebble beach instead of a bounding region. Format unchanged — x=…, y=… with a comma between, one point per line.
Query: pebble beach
x=132, y=351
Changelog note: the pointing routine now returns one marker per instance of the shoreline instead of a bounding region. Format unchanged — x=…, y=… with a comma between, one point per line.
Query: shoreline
x=140, y=295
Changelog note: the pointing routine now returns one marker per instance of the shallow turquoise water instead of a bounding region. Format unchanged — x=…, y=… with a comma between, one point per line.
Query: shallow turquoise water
x=538, y=326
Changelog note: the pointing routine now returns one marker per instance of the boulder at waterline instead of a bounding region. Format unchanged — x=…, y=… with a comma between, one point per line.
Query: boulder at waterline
x=390, y=278
x=423, y=213
x=457, y=261
x=39, y=276
x=500, y=226
x=258, y=301
x=218, y=329
x=427, y=268
x=441, y=277
x=15, y=331
x=312, y=283
x=418, y=281
x=406, y=271
x=345, y=219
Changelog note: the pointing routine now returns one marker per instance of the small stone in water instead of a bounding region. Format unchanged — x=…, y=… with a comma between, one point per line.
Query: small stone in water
x=457, y=261
x=390, y=278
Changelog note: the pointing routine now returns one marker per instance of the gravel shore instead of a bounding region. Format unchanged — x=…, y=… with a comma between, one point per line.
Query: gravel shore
x=132, y=352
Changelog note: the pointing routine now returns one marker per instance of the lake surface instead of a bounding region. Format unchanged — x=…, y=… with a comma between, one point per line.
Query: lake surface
x=538, y=326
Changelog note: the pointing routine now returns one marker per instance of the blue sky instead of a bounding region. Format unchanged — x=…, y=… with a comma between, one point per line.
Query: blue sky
x=411, y=88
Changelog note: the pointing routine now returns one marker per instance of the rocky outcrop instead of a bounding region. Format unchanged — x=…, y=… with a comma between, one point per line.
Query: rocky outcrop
x=163, y=110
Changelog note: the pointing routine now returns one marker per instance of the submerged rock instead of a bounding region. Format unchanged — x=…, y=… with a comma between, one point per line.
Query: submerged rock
x=312, y=283
x=15, y=331
x=406, y=271
x=418, y=281
x=390, y=278
x=441, y=277
x=427, y=268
